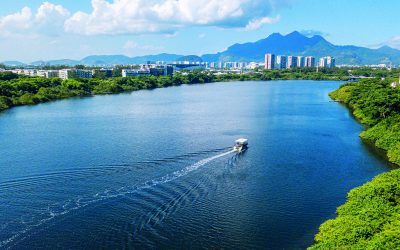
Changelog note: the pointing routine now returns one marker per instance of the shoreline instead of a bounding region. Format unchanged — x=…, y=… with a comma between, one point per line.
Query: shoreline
x=371, y=207
x=127, y=91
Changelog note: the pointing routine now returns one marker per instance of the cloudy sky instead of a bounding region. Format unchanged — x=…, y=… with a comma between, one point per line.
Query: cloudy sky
x=55, y=29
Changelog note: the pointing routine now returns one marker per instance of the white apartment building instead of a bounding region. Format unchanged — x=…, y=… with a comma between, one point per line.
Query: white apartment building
x=135, y=72
x=75, y=73
x=47, y=73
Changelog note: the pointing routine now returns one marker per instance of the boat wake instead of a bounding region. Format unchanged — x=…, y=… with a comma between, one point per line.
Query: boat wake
x=30, y=222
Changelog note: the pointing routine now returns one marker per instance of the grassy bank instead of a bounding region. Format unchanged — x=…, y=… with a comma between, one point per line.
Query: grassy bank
x=16, y=90
x=370, y=217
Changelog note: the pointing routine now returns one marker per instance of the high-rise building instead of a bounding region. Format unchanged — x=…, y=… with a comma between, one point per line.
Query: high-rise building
x=331, y=62
x=269, y=61
x=281, y=62
x=300, y=62
x=322, y=62
x=310, y=61
x=292, y=62
x=327, y=62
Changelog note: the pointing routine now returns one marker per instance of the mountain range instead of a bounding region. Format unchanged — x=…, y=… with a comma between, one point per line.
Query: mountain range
x=294, y=43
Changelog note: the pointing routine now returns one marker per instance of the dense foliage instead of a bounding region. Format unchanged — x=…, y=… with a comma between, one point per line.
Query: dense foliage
x=370, y=219
x=21, y=90
x=376, y=104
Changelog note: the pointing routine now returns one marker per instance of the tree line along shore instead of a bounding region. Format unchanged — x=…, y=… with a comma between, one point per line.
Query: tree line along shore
x=370, y=218
x=17, y=90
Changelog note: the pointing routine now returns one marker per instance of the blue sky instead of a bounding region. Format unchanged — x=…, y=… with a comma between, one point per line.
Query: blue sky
x=42, y=30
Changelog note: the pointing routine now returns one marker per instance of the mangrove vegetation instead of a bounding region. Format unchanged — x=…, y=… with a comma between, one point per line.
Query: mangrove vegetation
x=370, y=218
x=16, y=90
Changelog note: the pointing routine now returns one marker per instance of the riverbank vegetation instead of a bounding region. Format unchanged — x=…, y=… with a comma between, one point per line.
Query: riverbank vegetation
x=377, y=105
x=370, y=218
x=16, y=90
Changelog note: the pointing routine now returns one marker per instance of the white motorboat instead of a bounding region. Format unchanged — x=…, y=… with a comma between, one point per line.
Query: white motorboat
x=240, y=145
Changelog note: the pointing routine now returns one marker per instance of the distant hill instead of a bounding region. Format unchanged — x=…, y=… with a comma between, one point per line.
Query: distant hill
x=297, y=44
x=190, y=58
x=292, y=44
x=66, y=62
x=103, y=60
x=106, y=60
x=13, y=63
x=121, y=59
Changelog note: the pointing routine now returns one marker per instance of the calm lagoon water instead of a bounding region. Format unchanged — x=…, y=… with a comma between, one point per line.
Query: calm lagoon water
x=152, y=169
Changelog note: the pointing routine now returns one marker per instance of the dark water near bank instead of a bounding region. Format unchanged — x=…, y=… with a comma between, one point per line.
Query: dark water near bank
x=152, y=169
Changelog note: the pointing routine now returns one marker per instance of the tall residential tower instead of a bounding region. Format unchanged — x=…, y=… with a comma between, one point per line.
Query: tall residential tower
x=269, y=61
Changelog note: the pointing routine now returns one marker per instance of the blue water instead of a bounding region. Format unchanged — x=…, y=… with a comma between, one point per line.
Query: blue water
x=153, y=169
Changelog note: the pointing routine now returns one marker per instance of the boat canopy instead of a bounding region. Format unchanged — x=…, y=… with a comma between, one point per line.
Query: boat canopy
x=241, y=141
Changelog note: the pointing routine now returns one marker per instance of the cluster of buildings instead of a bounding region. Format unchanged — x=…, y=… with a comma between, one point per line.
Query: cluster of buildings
x=162, y=69
x=63, y=74
x=149, y=70
x=143, y=70
x=273, y=61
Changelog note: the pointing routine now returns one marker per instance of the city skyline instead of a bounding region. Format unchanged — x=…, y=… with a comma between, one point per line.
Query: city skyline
x=40, y=30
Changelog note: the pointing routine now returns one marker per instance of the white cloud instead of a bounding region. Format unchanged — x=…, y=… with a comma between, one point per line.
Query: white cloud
x=14, y=22
x=393, y=42
x=311, y=33
x=48, y=20
x=113, y=17
x=258, y=23
x=166, y=16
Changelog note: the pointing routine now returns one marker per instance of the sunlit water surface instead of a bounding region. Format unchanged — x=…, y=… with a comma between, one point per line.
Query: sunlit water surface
x=153, y=169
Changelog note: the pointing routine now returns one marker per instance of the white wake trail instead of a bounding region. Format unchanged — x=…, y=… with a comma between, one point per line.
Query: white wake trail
x=81, y=202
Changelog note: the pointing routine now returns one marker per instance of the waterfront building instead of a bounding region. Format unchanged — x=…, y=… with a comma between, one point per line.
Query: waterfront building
x=75, y=73
x=269, y=61
x=292, y=62
x=27, y=72
x=310, y=62
x=63, y=74
x=47, y=73
x=281, y=62
x=107, y=72
x=253, y=65
x=331, y=62
x=178, y=66
x=242, y=65
x=327, y=62
x=300, y=62
x=80, y=73
x=161, y=70
x=135, y=72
